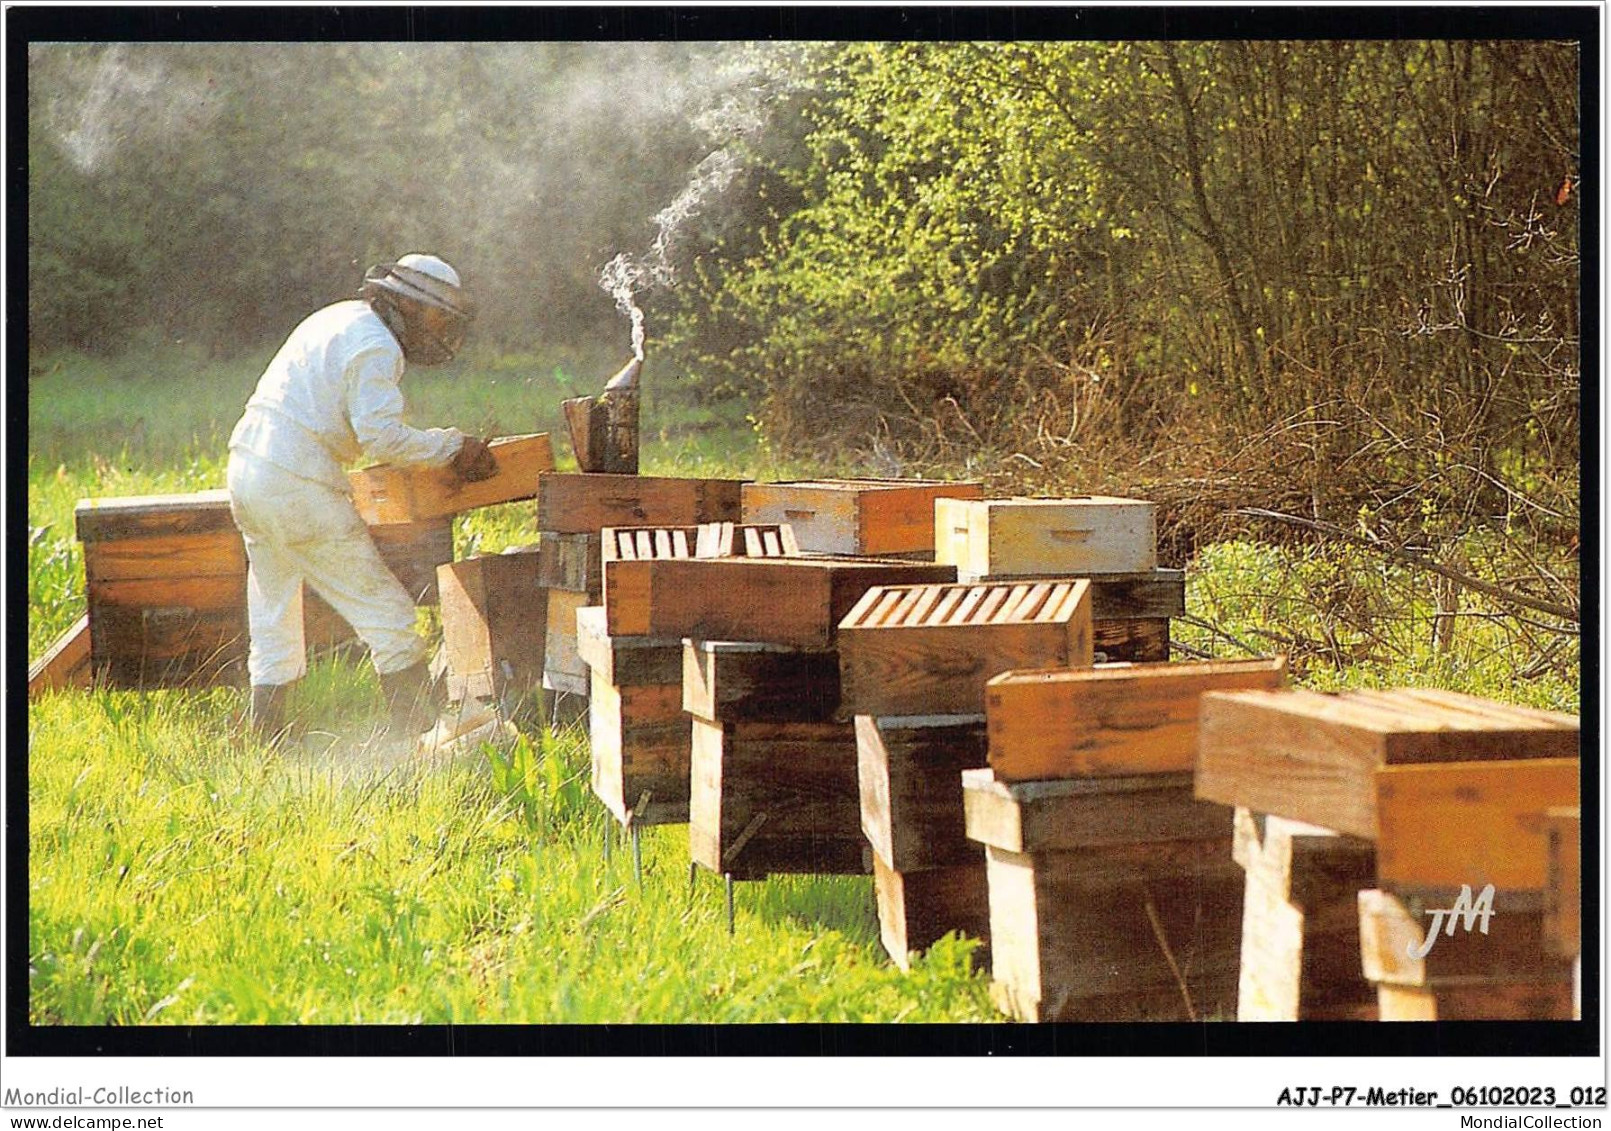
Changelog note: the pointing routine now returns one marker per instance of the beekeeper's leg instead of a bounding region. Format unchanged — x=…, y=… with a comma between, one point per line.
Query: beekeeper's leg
x=348, y=572
x=276, y=656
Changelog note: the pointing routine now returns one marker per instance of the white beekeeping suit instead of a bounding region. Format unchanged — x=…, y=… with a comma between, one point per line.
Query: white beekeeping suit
x=329, y=396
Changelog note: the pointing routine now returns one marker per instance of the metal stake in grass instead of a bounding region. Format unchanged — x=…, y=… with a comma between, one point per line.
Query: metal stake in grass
x=637, y=854
x=728, y=876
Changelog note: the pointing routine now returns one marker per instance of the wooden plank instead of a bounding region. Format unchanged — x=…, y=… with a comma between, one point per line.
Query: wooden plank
x=1300, y=921
x=792, y=601
x=210, y=554
x=1069, y=537
x=1477, y=823
x=66, y=663
x=199, y=593
x=1084, y=937
x=904, y=666
x=148, y=516
x=385, y=494
x=732, y=681
x=910, y=777
x=917, y=909
x=587, y=503
x=1075, y=813
x=855, y=516
x=1563, y=891
x=641, y=744
x=801, y=776
x=1108, y=721
x=494, y=623
x=1313, y=757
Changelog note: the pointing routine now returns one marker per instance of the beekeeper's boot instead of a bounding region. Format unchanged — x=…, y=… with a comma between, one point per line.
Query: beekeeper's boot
x=266, y=713
x=413, y=698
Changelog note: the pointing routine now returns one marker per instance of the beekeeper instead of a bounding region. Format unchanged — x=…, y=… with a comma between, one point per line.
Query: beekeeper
x=330, y=396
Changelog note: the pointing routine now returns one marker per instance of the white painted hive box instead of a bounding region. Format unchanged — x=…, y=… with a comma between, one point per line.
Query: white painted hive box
x=1070, y=537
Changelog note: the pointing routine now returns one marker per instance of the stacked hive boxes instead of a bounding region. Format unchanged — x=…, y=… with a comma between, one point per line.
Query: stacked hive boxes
x=914, y=663
x=639, y=733
x=572, y=512
x=1111, y=895
x=1451, y=791
x=1110, y=541
x=773, y=779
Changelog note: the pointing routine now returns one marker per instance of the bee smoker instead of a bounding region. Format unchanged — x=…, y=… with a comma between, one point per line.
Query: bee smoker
x=604, y=429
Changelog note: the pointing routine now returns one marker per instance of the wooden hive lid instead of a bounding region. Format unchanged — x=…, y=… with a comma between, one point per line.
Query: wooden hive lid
x=971, y=605
x=135, y=516
x=1402, y=710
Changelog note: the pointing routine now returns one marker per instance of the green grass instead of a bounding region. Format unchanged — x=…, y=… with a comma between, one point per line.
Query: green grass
x=178, y=874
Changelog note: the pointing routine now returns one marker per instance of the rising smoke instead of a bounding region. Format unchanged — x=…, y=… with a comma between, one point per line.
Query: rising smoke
x=736, y=108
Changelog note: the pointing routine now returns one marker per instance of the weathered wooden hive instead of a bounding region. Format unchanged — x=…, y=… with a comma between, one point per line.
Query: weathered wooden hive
x=914, y=664
x=640, y=737
x=882, y=517
x=573, y=510
x=1112, y=892
x=1469, y=835
x=494, y=624
x=166, y=581
x=1112, y=542
x=773, y=765
x=1369, y=808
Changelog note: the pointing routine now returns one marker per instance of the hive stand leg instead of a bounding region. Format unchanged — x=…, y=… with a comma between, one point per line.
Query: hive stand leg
x=728, y=876
x=693, y=875
x=637, y=853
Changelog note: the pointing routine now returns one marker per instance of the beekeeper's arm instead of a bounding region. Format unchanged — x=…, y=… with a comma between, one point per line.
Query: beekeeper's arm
x=375, y=407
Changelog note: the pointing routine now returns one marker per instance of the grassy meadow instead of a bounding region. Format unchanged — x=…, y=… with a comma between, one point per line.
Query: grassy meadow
x=179, y=874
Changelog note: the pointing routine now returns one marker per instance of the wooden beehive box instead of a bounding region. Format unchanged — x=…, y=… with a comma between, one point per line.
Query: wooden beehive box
x=930, y=649
x=636, y=726
x=626, y=551
x=166, y=580
x=585, y=503
x=1313, y=757
x=775, y=797
x=1499, y=970
x=929, y=877
x=856, y=516
x=1300, y=921
x=1069, y=537
x=1443, y=825
x=564, y=670
x=742, y=681
x=1110, y=898
x=572, y=562
x=792, y=601
x=494, y=624
x=910, y=773
x=1111, y=720
x=385, y=494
